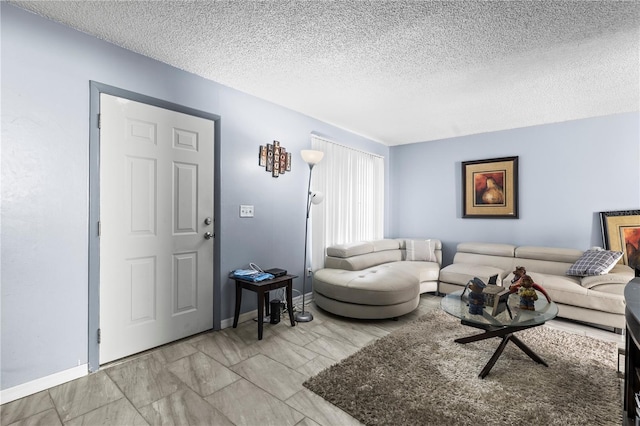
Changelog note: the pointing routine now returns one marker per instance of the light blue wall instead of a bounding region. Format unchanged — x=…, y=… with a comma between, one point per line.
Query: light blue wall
x=46, y=70
x=569, y=172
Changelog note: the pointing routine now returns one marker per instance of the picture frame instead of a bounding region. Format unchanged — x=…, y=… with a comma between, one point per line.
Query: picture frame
x=621, y=232
x=496, y=299
x=262, y=156
x=490, y=188
x=274, y=158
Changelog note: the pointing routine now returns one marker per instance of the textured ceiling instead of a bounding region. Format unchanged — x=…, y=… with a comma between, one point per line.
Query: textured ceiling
x=395, y=71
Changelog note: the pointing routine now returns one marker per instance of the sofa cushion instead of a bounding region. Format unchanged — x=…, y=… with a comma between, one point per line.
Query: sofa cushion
x=548, y=253
x=379, y=285
x=437, y=246
x=462, y=273
x=385, y=244
x=491, y=249
x=594, y=262
x=616, y=279
x=350, y=249
x=362, y=247
x=420, y=250
x=503, y=263
x=356, y=310
x=422, y=271
x=543, y=266
x=567, y=290
x=363, y=261
x=403, y=242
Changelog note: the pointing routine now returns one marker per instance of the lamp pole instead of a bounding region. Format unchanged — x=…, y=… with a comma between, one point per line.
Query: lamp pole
x=310, y=157
x=306, y=316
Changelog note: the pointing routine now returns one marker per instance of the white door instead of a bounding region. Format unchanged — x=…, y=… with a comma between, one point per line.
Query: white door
x=156, y=204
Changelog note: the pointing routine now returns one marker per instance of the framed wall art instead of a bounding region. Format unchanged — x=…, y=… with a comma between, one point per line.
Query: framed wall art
x=274, y=158
x=621, y=232
x=490, y=188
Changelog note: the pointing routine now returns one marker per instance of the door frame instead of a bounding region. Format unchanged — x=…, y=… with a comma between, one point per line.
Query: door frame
x=96, y=89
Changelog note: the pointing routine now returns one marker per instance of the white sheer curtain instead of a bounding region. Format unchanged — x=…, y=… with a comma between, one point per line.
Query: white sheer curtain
x=353, y=209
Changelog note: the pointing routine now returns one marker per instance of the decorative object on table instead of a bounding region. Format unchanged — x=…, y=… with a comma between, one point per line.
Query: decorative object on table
x=490, y=188
x=621, y=232
x=476, y=298
x=527, y=294
x=312, y=158
x=495, y=299
x=466, y=287
x=274, y=158
x=520, y=272
x=492, y=280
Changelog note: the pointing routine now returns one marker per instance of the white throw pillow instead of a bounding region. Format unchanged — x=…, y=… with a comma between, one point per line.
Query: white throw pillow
x=594, y=262
x=421, y=250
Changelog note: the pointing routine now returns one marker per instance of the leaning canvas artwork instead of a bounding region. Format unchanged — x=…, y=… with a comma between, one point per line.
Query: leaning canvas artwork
x=621, y=232
x=631, y=237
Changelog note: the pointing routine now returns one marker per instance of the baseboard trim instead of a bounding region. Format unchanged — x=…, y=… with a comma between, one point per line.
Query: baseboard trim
x=43, y=383
x=247, y=316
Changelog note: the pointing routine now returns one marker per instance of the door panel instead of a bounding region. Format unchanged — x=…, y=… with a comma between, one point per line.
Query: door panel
x=140, y=196
x=156, y=189
x=185, y=201
x=185, y=282
x=142, y=288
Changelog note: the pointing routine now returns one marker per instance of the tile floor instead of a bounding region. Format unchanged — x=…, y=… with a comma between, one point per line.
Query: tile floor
x=225, y=377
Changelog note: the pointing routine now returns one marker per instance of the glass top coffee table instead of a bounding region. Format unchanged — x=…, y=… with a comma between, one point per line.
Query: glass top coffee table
x=503, y=325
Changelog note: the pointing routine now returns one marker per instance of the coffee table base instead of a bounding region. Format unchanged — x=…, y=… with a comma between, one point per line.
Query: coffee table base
x=507, y=335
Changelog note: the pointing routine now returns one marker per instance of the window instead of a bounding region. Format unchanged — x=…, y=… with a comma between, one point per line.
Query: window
x=353, y=208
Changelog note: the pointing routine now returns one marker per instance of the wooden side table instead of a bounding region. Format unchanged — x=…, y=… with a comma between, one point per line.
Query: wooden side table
x=262, y=289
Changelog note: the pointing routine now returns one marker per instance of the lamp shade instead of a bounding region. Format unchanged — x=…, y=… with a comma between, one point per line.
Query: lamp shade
x=311, y=157
x=317, y=197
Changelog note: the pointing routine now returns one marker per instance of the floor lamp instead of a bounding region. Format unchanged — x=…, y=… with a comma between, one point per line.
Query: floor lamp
x=312, y=158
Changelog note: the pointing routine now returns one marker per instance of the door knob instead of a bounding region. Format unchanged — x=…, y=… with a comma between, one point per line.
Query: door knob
x=208, y=221
x=208, y=235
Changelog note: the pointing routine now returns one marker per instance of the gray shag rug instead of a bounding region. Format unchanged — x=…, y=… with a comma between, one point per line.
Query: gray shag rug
x=418, y=375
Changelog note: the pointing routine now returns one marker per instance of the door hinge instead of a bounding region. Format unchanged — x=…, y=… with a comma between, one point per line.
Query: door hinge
x=99, y=228
x=99, y=121
x=99, y=336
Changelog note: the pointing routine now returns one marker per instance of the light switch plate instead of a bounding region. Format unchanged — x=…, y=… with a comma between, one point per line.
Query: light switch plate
x=246, y=211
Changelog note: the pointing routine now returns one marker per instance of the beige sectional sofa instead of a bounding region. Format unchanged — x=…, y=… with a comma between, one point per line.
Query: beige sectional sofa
x=597, y=299
x=377, y=279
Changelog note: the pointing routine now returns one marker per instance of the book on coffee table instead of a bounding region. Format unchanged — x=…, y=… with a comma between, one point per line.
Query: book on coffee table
x=495, y=297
